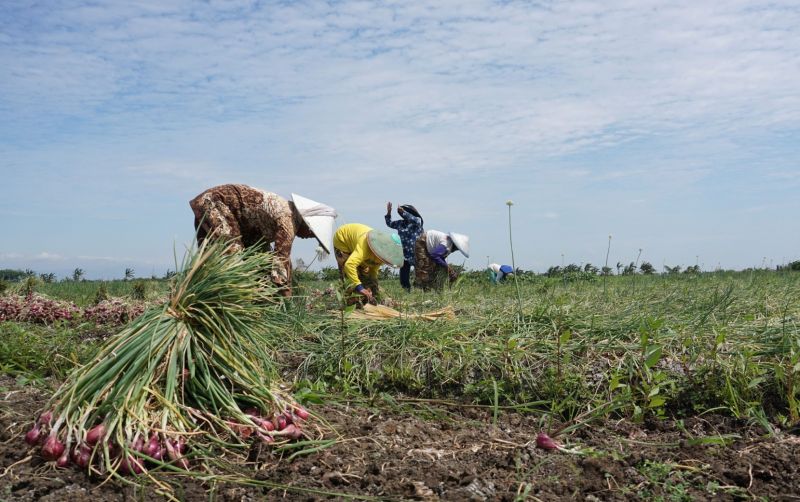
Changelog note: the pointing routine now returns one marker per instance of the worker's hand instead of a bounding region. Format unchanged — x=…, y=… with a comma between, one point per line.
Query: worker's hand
x=388, y=208
x=368, y=294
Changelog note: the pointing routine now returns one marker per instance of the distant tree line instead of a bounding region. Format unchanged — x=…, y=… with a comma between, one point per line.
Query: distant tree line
x=329, y=274
x=78, y=275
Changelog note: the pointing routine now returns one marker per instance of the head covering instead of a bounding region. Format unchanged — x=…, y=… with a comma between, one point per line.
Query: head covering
x=506, y=269
x=385, y=248
x=461, y=242
x=319, y=219
x=413, y=210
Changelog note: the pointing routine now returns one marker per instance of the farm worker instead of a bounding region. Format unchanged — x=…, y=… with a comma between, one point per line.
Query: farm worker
x=498, y=273
x=431, y=250
x=409, y=228
x=360, y=251
x=248, y=216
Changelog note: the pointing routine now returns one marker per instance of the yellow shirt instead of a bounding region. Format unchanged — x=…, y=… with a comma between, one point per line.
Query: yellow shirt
x=352, y=239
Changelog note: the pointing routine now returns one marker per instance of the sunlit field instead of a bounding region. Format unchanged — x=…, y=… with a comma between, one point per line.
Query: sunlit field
x=567, y=355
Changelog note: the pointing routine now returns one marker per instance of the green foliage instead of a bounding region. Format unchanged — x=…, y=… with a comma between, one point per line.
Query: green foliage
x=29, y=285
x=139, y=290
x=37, y=351
x=84, y=293
x=329, y=274
x=202, y=354
x=675, y=345
x=102, y=293
x=13, y=275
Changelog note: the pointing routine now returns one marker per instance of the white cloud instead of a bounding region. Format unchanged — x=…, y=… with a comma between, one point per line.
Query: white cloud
x=112, y=104
x=45, y=256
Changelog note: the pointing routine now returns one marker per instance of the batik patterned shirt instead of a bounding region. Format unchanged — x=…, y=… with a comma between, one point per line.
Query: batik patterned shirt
x=248, y=215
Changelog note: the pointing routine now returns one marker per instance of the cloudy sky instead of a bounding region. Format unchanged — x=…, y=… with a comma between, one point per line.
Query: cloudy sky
x=674, y=125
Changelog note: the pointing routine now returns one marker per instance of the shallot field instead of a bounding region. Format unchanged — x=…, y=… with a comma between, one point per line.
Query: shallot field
x=675, y=386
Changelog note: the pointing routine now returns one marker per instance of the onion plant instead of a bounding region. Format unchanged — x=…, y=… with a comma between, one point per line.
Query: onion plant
x=180, y=379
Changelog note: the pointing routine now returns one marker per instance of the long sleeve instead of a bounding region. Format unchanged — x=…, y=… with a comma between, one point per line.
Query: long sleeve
x=351, y=266
x=392, y=224
x=362, y=258
x=439, y=254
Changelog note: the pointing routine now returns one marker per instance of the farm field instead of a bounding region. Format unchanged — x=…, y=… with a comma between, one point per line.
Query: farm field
x=666, y=387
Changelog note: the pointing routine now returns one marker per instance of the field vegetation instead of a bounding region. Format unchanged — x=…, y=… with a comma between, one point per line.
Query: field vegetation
x=570, y=351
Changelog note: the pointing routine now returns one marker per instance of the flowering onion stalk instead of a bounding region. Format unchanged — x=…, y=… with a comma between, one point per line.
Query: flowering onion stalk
x=180, y=378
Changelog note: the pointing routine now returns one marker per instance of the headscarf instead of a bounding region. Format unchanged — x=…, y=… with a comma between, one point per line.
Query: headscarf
x=413, y=210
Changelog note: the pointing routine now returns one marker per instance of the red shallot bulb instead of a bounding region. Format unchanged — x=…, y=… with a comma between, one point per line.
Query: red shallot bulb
x=545, y=442
x=95, y=434
x=53, y=448
x=33, y=435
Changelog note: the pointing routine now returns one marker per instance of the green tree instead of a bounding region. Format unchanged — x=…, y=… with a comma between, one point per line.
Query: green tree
x=553, y=271
x=692, y=269
x=48, y=278
x=10, y=275
x=647, y=268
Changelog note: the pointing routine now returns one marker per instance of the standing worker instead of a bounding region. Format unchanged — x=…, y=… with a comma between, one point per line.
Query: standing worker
x=409, y=228
x=360, y=251
x=247, y=216
x=431, y=250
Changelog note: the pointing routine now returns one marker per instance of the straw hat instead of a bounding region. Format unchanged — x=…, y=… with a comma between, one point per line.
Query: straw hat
x=385, y=247
x=318, y=217
x=461, y=242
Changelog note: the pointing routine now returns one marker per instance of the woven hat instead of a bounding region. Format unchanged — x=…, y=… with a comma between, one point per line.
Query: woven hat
x=385, y=247
x=319, y=219
x=461, y=242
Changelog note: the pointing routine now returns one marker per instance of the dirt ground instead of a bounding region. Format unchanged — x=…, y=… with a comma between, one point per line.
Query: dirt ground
x=450, y=453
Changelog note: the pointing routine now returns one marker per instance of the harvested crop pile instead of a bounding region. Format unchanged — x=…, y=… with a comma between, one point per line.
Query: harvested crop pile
x=182, y=381
x=380, y=312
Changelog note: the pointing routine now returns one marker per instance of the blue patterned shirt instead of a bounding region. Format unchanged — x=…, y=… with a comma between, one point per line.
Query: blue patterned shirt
x=409, y=229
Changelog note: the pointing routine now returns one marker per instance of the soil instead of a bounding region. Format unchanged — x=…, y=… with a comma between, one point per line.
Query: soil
x=433, y=451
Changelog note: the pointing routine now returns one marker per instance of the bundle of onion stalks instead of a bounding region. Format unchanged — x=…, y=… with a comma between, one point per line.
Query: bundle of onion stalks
x=180, y=380
x=382, y=312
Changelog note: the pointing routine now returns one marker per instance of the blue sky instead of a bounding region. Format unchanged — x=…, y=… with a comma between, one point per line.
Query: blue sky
x=674, y=126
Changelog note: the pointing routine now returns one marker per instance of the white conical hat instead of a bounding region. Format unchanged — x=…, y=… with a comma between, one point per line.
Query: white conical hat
x=461, y=241
x=318, y=217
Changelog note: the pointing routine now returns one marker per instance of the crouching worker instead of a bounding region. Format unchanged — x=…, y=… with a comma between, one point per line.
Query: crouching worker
x=498, y=273
x=431, y=251
x=248, y=216
x=360, y=251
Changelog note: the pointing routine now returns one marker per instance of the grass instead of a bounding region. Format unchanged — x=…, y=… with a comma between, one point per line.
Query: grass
x=673, y=345
x=676, y=345
x=83, y=293
x=36, y=351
